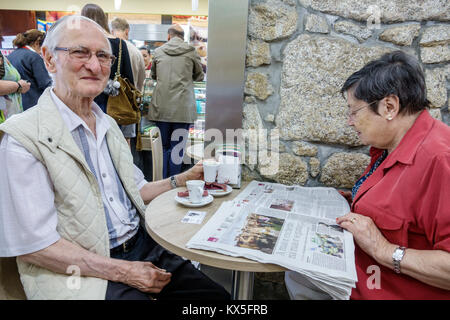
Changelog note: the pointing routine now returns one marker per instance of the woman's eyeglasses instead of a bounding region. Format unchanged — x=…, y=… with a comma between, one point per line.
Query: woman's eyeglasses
x=352, y=114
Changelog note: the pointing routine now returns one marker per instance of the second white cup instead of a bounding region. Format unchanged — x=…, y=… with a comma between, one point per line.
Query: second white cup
x=210, y=168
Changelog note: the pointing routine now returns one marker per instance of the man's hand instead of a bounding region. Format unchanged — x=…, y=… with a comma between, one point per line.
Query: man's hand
x=153, y=189
x=365, y=233
x=146, y=277
x=194, y=173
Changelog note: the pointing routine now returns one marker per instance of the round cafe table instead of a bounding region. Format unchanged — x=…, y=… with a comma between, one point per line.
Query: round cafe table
x=163, y=223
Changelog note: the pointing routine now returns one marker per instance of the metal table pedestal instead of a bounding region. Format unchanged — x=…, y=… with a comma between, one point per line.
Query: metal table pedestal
x=242, y=285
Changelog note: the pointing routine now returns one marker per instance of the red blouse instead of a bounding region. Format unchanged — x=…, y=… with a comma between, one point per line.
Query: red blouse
x=408, y=198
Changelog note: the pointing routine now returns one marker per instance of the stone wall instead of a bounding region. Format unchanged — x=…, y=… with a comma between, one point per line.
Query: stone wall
x=300, y=52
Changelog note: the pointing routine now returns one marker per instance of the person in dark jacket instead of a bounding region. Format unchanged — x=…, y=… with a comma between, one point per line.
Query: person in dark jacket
x=28, y=61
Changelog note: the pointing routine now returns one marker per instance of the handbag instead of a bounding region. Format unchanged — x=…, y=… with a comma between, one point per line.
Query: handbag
x=125, y=106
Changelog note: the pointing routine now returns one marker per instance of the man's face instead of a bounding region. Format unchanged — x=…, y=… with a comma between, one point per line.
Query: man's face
x=81, y=79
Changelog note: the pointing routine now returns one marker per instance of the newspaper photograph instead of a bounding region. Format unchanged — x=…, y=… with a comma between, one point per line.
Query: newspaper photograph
x=291, y=226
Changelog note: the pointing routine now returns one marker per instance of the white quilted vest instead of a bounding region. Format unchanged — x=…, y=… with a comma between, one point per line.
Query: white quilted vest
x=81, y=216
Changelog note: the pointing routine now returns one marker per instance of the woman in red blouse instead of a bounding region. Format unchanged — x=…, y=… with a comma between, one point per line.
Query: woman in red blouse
x=400, y=210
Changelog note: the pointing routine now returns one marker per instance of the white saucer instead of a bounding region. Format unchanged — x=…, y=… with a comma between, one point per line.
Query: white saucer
x=220, y=193
x=187, y=203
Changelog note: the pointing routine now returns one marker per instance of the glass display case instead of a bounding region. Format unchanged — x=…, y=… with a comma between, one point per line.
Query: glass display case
x=197, y=130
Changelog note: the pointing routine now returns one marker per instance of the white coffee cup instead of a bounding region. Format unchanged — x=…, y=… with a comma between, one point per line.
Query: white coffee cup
x=210, y=168
x=195, y=188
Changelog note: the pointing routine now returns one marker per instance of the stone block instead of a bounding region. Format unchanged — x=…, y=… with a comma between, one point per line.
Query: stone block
x=272, y=20
x=387, y=11
x=341, y=170
x=402, y=36
x=435, y=35
x=289, y=170
x=314, y=167
x=304, y=149
x=436, y=87
x=314, y=69
x=258, y=53
x=435, y=54
x=350, y=28
x=258, y=85
x=316, y=23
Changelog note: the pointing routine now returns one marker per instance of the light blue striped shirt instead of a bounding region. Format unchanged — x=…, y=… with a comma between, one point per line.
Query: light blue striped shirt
x=121, y=215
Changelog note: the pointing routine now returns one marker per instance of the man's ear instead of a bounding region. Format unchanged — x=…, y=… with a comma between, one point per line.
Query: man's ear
x=390, y=107
x=49, y=60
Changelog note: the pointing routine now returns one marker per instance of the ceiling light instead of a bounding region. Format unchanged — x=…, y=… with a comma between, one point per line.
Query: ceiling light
x=117, y=4
x=194, y=5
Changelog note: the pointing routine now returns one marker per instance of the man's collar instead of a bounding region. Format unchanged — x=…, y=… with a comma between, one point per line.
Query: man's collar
x=71, y=119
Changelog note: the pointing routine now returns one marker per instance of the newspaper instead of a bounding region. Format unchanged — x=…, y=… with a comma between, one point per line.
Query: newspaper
x=292, y=226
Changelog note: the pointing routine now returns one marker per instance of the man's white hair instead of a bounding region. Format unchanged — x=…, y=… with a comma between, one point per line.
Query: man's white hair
x=59, y=30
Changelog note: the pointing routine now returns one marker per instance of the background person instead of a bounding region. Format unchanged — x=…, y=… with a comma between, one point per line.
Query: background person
x=176, y=65
x=144, y=158
x=399, y=216
x=11, y=89
x=74, y=198
x=147, y=55
x=96, y=13
x=28, y=61
x=120, y=29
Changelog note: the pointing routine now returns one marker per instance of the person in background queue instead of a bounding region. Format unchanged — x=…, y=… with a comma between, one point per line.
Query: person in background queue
x=28, y=61
x=176, y=65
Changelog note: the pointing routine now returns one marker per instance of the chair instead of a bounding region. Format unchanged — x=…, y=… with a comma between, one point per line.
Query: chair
x=10, y=286
x=157, y=153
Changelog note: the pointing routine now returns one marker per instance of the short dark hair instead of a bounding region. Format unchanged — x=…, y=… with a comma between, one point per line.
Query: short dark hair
x=145, y=48
x=120, y=24
x=395, y=73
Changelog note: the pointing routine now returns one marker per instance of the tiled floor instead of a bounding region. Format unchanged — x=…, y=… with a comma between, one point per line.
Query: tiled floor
x=221, y=276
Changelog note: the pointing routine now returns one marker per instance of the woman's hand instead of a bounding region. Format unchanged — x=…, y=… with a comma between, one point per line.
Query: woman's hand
x=365, y=233
x=194, y=173
x=25, y=86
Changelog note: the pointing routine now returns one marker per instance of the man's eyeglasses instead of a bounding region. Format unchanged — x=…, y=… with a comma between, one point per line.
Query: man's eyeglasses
x=83, y=54
x=352, y=114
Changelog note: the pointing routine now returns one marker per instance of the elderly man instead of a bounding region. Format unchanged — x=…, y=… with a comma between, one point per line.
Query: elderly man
x=71, y=196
